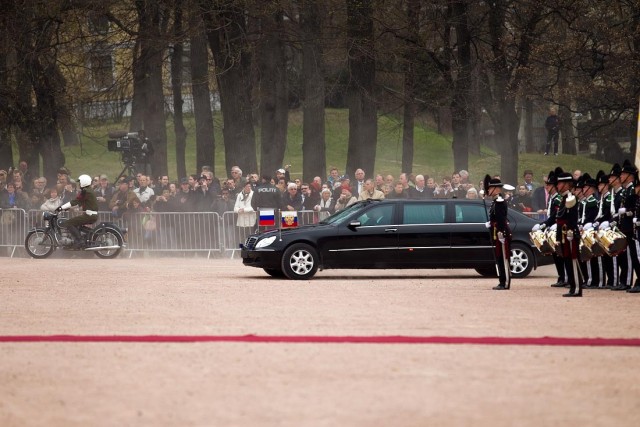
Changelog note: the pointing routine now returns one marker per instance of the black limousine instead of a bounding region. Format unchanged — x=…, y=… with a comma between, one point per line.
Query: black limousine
x=387, y=234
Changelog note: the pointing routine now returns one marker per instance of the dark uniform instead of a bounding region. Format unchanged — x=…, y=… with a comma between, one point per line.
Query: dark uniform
x=500, y=236
x=552, y=210
x=604, y=215
x=87, y=201
x=626, y=213
x=592, y=271
x=568, y=236
x=266, y=196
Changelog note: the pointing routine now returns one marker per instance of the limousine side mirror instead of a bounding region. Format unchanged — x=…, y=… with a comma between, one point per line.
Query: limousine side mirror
x=354, y=224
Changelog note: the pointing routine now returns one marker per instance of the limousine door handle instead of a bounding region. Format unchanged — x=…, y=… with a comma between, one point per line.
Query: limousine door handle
x=390, y=230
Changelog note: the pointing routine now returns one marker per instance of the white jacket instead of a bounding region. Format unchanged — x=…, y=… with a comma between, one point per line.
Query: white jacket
x=248, y=217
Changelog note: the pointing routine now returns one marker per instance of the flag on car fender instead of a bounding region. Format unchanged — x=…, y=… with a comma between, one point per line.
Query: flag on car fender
x=289, y=219
x=267, y=217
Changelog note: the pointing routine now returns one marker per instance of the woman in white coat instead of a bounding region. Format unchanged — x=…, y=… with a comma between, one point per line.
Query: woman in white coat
x=246, y=214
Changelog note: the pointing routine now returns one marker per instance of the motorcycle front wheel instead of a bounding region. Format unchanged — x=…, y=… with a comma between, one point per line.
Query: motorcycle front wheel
x=107, y=238
x=39, y=244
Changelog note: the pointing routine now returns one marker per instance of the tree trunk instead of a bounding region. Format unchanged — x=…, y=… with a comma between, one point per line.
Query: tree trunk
x=205, y=140
x=151, y=56
x=409, y=107
x=462, y=84
x=176, y=89
x=227, y=40
x=138, y=98
x=363, y=126
x=273, y=93
x=530, y=143
x=314, y=162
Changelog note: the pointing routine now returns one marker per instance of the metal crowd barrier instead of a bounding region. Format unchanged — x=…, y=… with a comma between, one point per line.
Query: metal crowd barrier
x=535, y=215
x=153, y=231
x=13, y=223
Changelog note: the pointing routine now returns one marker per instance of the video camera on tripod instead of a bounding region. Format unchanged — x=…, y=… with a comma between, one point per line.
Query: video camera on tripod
x=135, y=148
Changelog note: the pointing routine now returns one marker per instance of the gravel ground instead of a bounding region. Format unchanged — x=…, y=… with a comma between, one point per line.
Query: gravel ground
x=278, y=384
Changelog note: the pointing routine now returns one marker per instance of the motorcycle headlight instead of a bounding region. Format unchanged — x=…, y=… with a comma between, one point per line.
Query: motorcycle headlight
x=265, y=242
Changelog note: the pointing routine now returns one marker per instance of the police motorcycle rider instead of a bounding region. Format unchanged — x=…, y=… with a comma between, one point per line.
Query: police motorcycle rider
x=87, y=201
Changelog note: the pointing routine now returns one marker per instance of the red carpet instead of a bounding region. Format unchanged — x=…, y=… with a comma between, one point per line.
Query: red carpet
x=554, y=341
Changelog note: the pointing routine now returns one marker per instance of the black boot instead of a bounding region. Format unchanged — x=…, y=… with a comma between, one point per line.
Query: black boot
x=77, y=237
x=500, y=287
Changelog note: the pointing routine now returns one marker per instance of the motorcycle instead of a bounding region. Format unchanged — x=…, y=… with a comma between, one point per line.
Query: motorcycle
x=105, y=239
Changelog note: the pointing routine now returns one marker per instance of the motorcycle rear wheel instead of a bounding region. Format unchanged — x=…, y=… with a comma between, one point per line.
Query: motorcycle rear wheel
x=39, y=244
x=107, y=237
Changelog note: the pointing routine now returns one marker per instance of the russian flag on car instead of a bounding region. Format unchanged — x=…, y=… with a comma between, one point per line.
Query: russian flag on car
x=289, y=219
x=267, y=217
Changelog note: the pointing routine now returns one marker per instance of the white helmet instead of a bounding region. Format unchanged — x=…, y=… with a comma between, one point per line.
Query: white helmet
x=84, y=180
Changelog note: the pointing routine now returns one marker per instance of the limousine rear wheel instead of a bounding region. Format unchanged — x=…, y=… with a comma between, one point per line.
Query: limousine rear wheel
x=300, y=262
x=521, y=260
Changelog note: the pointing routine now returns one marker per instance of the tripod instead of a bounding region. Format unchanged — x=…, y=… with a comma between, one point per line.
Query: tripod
x=130, y=168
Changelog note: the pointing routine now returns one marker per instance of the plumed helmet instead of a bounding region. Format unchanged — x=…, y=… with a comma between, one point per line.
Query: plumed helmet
x=587, y=181
x=629, y=167
x=602, y=177
x=491, y=182
x=615, y=170
x=84, y=180
x=551, y=178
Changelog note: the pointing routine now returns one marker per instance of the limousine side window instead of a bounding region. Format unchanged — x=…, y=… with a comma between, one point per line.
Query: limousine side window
x=427, y=213
x=471, y=213
x=379, y=215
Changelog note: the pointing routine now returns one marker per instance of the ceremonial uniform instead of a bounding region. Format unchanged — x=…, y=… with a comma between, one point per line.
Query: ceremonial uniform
x=592, y=271
x=568, y=236
x=552, y=211
x=626, y=213
x=609, y=264
x=498, y=225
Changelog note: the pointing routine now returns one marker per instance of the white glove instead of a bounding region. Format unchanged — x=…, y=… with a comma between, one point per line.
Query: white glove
x=588, y=226
x=635, y=219
x=621, y=211
x=604, y=226
x=571, y=201
x=66, y=206
x=487, y=224
x=596, y=224
x=554, y=227
x=536, y=227
x=543, y=226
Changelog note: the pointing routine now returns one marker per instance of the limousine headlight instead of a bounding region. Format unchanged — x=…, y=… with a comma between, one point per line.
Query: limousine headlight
x=265, y=242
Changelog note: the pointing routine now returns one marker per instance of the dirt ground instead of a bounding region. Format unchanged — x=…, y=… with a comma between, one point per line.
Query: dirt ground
x=301, y=384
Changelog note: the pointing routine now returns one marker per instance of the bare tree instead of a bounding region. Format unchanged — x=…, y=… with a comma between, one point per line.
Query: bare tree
x=363, y=119
x=313, y=128
x=225, y=24
x=274, y=102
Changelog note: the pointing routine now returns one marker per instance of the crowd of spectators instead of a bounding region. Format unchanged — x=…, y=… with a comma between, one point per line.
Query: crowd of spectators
x=204, y=192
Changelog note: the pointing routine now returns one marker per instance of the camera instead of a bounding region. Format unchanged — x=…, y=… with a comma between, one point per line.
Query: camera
x=133, y=147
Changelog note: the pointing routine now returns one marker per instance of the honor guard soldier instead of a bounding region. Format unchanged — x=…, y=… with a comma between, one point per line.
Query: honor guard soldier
x=552, y=209
x=592, y=269
x=603, y=219
x=626, y=212
x=498, y=225
x=620, y=263
x=568, y=233
x=636, y=233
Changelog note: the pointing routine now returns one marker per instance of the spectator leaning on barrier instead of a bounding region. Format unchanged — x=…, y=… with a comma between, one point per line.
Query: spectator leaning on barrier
x=345, y=200
x=398, y=192
x=104, y=193
x=291, y=199
x=326, y=206
x=224, y=203
x=370, y=192
x=121, y=198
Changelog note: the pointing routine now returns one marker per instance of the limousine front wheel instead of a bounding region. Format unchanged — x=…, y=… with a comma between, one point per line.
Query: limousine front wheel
x=300, y=262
